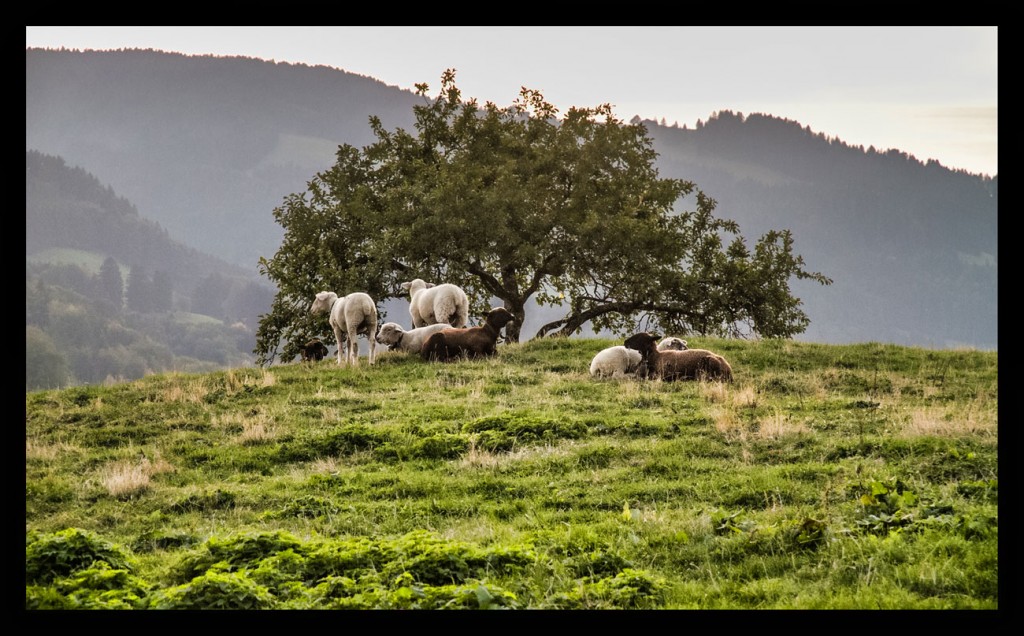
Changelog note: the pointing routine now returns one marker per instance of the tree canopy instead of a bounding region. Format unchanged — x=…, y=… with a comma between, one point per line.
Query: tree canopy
x=517, y=203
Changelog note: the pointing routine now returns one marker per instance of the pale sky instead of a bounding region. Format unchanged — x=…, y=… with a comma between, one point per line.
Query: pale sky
x=929, y=91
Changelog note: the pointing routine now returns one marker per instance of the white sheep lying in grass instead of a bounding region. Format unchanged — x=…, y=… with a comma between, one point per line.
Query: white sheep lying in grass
x=392, y=334
x=431, y=304
x=672, y=343
x=615, y=362
x=350, y=316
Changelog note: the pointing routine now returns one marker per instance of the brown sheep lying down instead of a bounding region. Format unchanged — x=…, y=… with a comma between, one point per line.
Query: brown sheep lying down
x=314, y=350
x=669, y=365
x=471, y=342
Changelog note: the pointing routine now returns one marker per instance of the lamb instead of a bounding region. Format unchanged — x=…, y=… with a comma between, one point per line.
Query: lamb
x=669, y=365
x=615, y=362
x=430, y=304
x=676, y=344
x=472, y=342
x=392, y=334
x=314, y=350
x=349, y=316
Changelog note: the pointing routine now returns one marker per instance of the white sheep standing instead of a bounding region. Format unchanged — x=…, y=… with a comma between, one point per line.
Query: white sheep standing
x=349, y=316
x=392, y=334
x=431, y=304
x=615, y=362
x=672, y=343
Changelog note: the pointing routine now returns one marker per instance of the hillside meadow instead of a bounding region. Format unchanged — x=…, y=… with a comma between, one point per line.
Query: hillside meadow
x=825, y=477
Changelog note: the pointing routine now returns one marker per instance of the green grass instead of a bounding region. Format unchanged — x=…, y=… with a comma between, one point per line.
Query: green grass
x=89, y=261
x=189, y=318
x=854, y=476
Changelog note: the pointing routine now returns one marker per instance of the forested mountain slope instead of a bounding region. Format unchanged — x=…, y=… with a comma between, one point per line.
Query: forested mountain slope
x=912, y=247
x=109, y=296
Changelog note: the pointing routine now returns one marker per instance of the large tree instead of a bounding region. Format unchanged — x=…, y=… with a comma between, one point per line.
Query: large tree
x=517, y=203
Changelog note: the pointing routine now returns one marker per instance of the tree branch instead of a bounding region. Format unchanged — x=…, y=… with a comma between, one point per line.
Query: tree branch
x=540, y=273
x=490, y=283
x=571, y=322
x=576, y=320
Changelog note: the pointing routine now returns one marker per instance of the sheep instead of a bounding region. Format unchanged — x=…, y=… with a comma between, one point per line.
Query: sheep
x=314, y=350
x=616, y=362
x=676, y=344
x=392, y=334
x=473, y=342
x=689, y=364
x=349, y=316
x=431, y=304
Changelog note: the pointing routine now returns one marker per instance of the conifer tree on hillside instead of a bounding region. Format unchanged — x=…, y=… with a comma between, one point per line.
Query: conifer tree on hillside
x=111, y=282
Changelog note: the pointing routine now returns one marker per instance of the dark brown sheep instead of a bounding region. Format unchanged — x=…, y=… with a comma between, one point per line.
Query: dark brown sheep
x=670, y=365
x=314, y=350
x=471, y=342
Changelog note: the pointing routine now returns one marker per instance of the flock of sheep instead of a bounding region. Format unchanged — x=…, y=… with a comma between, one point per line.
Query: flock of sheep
x=439, y=332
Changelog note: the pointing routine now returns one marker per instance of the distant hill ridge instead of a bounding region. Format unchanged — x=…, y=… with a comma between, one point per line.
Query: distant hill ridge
x=209, y=146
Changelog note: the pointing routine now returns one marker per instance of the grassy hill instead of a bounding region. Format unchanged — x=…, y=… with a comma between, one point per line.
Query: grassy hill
x=825, y=476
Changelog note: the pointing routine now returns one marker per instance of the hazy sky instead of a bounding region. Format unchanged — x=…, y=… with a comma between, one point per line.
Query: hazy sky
x=928, y=91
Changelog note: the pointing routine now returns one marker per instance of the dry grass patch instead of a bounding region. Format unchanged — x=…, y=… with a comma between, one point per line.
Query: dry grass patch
x=476, y=389
x=237, y=379
x=940, y=422
x=188, y=392
x=125, y=479
x=744, y=398
x=255, y=433
x=48, y=452
x=328, y=465
x=267, y=378
x=254, y=425
x=156, y=464
x=734, y=429
x=741, y=397
x=815, y=386
x=476, y=458
x=714, y=392
x=729, y=424
x=779, y=425
x=334, y=464
x=250, y=427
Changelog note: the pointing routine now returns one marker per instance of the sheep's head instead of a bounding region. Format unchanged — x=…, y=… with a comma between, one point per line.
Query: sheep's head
x=416, y=285
x=390, y=333
x=673, y=343
x=323, y=302
x=642, y=342
x=314, y=350
x=499, y=317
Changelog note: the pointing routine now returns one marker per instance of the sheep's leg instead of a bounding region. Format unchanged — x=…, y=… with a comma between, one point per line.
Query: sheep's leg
x=339, y=338
x=373, y=344
x=352, y=350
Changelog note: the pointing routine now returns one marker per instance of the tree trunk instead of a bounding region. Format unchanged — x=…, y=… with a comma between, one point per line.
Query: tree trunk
x=518, y=309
